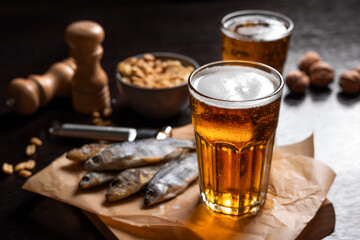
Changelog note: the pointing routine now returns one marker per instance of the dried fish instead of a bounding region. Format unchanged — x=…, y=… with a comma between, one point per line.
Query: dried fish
x=131, y=181
x=84, y=152
x=92, y=179
x=135, y=154
x=172, y=180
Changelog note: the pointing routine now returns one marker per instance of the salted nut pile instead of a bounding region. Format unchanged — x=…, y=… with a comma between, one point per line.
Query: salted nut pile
x=313, y=70
x=153, y=73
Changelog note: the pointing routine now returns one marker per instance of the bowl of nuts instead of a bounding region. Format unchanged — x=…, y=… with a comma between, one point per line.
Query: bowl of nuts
x=155, y=84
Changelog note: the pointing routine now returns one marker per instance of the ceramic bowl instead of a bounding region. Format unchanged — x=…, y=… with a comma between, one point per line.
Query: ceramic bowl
x=157, y=103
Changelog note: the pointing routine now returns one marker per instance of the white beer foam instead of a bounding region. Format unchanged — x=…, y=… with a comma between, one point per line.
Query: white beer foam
x=236, y=84
x=257, y=27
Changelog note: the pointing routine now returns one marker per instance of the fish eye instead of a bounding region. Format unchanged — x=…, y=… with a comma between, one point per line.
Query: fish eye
x=151, y=194
x=96, y=159
x=85, y=178
x=116, y=184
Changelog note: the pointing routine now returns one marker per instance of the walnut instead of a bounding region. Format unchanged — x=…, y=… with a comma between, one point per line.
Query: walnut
x=297, y=81
x=357, y=68
x=321, y=74
x=350, y=82
x=308, y=59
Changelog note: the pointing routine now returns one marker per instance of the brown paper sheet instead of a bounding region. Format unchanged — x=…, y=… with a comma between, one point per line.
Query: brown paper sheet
x=298, y=186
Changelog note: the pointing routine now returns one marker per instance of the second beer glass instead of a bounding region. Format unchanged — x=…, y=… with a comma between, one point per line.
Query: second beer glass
x=256, y=35
x=234, y=109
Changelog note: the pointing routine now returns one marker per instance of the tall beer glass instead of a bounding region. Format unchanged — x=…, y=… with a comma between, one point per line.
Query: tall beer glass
x=234, y=110
x=256, y=35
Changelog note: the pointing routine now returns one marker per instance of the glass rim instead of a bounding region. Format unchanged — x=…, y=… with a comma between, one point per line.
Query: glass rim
x=257, y=12
x=273, y=71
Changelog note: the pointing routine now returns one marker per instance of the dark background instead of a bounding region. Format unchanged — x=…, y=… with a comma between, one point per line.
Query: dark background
x=32, y=38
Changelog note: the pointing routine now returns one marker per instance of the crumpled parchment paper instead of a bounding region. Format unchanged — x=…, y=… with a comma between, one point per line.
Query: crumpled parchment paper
x=298, y=186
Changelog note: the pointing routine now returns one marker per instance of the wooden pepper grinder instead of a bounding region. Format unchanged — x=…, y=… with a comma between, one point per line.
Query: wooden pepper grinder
x=25, y=96
x=90, y=91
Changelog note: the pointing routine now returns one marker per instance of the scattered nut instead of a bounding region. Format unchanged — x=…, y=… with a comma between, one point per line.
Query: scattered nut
x=297, y=81
x=308, y=59
x=30, y=164
x=153, y=73
x=321, y=74
x=101, y=122
x=20, y=166
x=36, y=141
x=30, y=149
x=25, y=173
x=7, y=168
x=96, y=120
x=95, y=114
x=350, y=82
x=106, y=123
x=107, y=111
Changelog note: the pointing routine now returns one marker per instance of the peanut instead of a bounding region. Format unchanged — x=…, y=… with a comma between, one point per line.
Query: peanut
x=107, y=111
x=97, y=120
x=7, y=168
x=124, y=68
x=25, y=173
x=138, y=72
x=95, y=114
x=106, y=123
x=149, y=57
x=30, y=149
x=20, y=166
x=36, y=141
x=30, y=164
x=126, y=79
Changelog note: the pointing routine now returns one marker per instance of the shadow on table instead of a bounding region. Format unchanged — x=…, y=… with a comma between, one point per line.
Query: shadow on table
x=348, y=99
x=319, y=94
x=61, y=219
x=294, y=99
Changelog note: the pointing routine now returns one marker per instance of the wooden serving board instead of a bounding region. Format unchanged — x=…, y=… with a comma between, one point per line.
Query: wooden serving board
x=319, y=227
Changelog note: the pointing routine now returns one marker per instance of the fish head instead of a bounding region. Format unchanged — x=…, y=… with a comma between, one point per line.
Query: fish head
x=86, y=181
x=118, y=189
x=95, y=162
x=154, y=194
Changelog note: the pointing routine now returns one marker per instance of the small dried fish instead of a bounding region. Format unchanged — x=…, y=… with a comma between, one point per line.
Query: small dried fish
x=92, y=179
x=84, y=152
x=131, y=181
x=172, y=180
x=135, y=154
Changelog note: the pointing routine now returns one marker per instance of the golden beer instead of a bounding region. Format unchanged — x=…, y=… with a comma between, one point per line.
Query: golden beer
x=234, y=109
x=255, y=35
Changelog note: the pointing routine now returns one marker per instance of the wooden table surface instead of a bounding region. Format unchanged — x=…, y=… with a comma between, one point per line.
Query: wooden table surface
x=32, y=39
